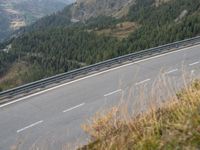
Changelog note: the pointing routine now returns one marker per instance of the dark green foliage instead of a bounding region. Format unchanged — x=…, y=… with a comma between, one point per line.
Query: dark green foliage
x=52, y=45
x=102, y=22
x=146, y=12
x=62, y=49
x=141, y=10
x=5, y=61
x=159, y=25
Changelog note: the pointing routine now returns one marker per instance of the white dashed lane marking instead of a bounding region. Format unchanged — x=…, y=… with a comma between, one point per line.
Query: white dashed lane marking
x=195, y=63
x=171, y=71
x=29, y=126
x=72, y=108
x=111, y=93
x=142, y=82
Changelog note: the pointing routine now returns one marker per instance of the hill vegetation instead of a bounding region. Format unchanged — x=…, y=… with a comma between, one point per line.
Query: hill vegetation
x=85, y=9
x=54, y=44
x=15, y=14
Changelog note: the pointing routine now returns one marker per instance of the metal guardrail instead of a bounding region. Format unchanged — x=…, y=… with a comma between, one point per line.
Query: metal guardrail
x=25, y=89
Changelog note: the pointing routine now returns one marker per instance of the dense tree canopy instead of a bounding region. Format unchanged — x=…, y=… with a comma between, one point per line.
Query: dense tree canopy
x=52, y=45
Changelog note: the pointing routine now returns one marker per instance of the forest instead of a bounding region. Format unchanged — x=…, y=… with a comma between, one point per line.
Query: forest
x=54, y=45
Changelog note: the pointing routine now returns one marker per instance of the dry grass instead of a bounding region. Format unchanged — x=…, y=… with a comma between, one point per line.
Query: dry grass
x=173, y=125
x=13, y=77
x=121, y=30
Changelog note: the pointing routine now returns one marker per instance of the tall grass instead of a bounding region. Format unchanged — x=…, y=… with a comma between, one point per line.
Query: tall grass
x=173, y=124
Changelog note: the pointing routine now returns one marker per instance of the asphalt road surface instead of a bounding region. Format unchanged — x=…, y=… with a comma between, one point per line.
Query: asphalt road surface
x=52, y=119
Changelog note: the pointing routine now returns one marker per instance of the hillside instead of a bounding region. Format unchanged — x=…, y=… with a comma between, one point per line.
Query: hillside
x=85, y=9
x=57, y=43
x=19, y=13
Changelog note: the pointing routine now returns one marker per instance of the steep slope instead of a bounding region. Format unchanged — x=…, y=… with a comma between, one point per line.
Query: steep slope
x=55, y=45
x=18, y=13
x=85, y=9
x=4, y=24
x=35, y=9
x=94, y=12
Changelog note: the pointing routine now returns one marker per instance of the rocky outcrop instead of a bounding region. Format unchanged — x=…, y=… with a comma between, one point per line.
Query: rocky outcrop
x=85, y=9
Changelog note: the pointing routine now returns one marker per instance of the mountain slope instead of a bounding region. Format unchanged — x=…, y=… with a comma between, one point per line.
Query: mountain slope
x=54, y=44
x=85, y=9
x=18, y=13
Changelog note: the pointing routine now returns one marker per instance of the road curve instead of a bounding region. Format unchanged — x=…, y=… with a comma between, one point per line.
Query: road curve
x=52, y=118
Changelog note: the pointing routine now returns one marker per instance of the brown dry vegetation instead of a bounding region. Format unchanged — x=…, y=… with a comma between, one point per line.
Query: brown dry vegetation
x=174, y=125
x=13, y=77
x=122, y=30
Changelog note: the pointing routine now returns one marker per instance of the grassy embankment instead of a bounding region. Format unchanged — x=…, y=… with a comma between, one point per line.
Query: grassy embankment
x=175, y=125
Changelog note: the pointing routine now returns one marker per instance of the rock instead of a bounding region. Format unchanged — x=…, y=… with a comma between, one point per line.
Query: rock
x=85, y=9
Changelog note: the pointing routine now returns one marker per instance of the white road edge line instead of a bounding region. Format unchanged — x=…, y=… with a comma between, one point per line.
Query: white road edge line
x=117, y=91
x=93, y=75
x=171, y=71
x=73, y=108
x=30, y=126
x=142, y=82
x=195, y=63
